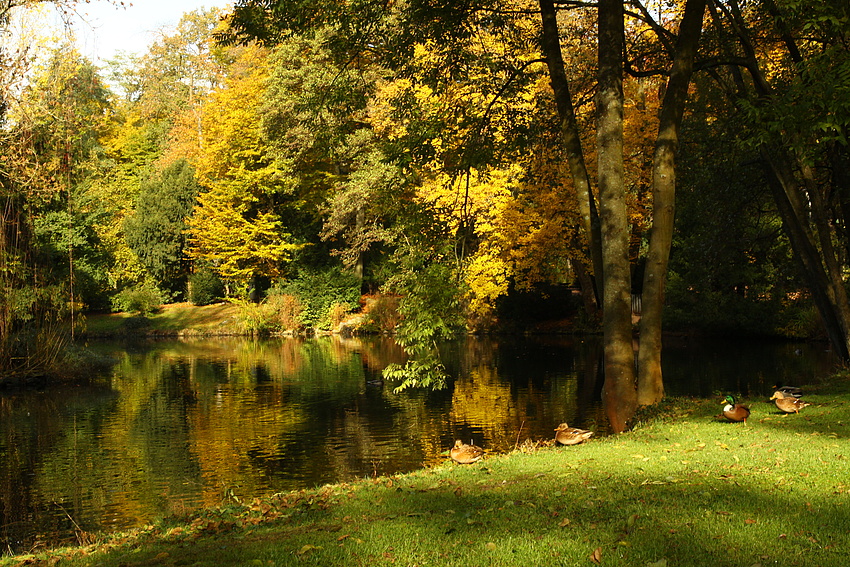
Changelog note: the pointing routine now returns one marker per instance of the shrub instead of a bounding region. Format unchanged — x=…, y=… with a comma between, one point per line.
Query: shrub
x=317, y=291
x=286, y=311
x=144, y=298
x=383, y=312
x=337, y=313
x=278, y=312
x=205, y=287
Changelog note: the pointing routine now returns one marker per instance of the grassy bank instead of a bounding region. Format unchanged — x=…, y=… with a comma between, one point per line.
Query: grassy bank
x=171, y=320
x=683, y=489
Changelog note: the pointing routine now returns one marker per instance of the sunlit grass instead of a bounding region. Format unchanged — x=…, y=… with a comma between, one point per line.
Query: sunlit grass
x=683, y=489
x=219, y=318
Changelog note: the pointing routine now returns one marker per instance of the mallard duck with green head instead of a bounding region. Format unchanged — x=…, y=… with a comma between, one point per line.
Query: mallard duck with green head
x=566, y=435
x=787, y=403
x=734, y=411
x=465, y=454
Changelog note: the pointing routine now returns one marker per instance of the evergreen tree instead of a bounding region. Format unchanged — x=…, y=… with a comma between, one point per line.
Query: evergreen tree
x=157, y=230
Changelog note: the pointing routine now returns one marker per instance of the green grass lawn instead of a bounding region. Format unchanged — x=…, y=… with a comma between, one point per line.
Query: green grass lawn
x=683, y=489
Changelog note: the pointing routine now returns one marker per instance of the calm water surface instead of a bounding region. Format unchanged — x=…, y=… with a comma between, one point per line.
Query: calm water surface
x=176, y=425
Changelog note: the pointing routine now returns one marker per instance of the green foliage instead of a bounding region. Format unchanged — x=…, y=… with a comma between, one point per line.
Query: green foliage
x=425, y=371
x=69, y=246
x=319, y=290
x=801, y=320
x=205, y=287
x=430, y=311
x=720, y=313
x=157, y=229
x=144, y=298
x=430, y=304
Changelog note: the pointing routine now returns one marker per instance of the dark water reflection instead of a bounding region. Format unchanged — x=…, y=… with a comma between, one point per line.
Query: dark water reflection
x=177, y=425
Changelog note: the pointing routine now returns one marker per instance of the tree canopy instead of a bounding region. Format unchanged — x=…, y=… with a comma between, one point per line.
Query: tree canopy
x=458, y=156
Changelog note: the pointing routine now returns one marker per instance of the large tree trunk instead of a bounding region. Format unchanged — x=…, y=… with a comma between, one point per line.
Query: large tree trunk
x=650, y=380
x=571, y=140
x=619, y=390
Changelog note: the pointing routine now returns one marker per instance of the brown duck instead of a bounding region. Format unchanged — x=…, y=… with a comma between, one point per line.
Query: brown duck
x=789, y=391
x=788, y=404
x=566, y=435
x=734, y=411
x=465, y=454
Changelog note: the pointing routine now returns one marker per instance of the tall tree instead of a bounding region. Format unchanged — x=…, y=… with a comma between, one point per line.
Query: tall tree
x=650, y=379
x=157, y=230
x=619, y=389
x=235, y=227
x=30, y=300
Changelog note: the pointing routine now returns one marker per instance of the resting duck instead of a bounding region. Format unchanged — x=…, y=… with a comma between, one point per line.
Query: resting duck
x=789, y=391
x=735, y=412
x=465, y=454
x=788, y=404
x=566, y=435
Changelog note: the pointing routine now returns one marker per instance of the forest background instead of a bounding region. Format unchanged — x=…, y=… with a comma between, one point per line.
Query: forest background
x=470, y=166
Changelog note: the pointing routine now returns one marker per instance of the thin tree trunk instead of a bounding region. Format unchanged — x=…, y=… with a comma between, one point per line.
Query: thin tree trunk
x=650, y=380
x=619, y=392
x=571, y=139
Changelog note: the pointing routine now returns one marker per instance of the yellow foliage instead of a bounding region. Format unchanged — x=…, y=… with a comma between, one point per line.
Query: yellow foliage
x=233, y=226
x=236, y=246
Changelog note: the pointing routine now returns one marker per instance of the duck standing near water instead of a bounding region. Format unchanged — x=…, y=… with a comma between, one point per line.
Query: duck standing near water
x=734, y=411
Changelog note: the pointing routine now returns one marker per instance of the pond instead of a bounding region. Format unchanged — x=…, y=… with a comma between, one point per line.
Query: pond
x=176, y=425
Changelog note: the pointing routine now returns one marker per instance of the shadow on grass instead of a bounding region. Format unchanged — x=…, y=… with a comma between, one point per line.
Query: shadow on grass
x=552, y=507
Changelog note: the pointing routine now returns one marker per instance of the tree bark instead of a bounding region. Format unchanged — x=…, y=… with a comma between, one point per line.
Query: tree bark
x=619, y=392
x=571, y=139
x=650, y=380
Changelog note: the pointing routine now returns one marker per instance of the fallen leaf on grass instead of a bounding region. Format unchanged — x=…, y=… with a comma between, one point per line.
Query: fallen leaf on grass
x=596, y=556
x=307, y=549
x=749, y=521
x=490, y=546
x=564, y=523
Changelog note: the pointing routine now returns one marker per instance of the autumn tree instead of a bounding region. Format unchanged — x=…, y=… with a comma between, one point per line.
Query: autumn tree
x=235, y=227
x=44, y=154
x=58, y=122
x=408, y=35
